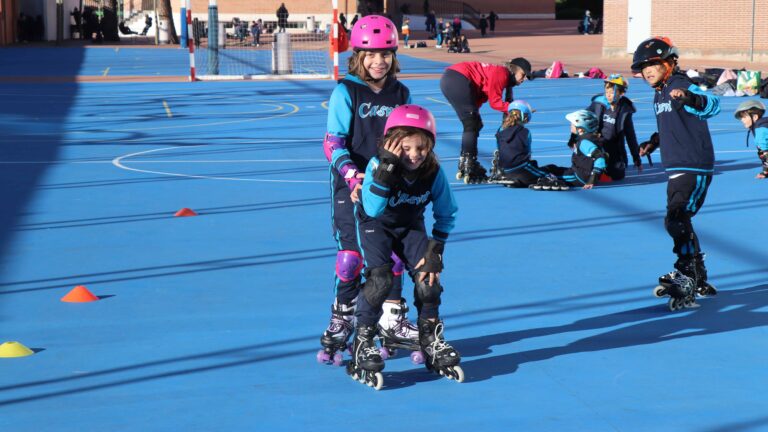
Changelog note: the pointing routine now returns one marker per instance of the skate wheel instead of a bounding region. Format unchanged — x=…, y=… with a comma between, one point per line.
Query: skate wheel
x=338, y=359
x=659, y=291
x=675, y=304
x=417, y=357
x=378, y=381
x=459, y=176
x=384, y=353
x=323, y=357
x=466, y=180
x=458, y=373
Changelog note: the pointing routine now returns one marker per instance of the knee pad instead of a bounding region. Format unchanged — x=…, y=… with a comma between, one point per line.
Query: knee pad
x=678, y=223
x=378, y=282
x=472, y=123
x=348, y=265
x=399, y=267
x=427, y=293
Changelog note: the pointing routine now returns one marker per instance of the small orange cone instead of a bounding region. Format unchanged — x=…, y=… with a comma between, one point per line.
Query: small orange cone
x=79, y=294
x=185, y=212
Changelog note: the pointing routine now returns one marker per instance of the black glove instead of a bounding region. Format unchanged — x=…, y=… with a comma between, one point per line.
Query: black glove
x=651, y=145
x=692, y=100
x=594, y=177
x=572, y=140
x=433, y=257
x=388, y=171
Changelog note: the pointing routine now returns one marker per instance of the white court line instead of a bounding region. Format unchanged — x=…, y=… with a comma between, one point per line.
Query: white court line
x=118, y=162
x=195, y=125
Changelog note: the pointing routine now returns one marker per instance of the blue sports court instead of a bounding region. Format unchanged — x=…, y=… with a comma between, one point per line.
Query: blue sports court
x=212, y=322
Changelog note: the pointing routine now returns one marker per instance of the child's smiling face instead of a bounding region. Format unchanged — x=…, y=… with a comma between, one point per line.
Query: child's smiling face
x=415, y=151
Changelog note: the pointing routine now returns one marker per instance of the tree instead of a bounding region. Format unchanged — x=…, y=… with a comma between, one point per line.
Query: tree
x=165, y=13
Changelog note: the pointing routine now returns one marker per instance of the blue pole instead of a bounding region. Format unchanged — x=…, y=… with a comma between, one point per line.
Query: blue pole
x=183, y=22
x=213, y=38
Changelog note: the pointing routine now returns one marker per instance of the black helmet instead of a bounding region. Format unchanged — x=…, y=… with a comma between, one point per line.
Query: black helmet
x=656, y=48
x=523, y=64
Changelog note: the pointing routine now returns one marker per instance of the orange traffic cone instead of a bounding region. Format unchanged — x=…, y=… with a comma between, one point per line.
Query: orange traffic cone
x=185, y=212
x=79, y=294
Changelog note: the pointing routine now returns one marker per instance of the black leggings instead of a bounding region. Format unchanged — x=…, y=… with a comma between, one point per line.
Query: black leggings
x=462, y=95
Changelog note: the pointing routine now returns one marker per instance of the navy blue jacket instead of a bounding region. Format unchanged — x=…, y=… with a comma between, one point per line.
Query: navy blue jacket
x=403, y=205
x=587, y=157
x=684, y=138
x=358, y=114
x=616, y=125
x=514, y=147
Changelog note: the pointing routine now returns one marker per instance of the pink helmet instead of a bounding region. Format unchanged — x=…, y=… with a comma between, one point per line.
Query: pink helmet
x=374, y=32
x=413, y=116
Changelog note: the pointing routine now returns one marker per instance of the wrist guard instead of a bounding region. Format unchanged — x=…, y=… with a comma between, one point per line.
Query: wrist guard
x=388, y=171
x=433, y=257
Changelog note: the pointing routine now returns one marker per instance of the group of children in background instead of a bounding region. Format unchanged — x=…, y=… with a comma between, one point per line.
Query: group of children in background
x=384, y=173
x=444, y=34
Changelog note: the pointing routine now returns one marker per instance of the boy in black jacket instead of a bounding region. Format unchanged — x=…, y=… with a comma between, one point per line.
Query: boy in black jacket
x=614, y=114
x=688, y=156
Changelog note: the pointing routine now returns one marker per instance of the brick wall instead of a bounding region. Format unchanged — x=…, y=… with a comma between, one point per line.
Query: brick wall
x=699, y=28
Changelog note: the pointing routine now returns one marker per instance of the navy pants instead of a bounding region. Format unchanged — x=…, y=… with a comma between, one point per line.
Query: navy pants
x=463, y=96
x=345, y=234
x=686, y=192
x=378, y=243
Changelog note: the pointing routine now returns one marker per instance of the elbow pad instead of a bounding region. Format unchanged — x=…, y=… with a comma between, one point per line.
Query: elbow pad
x=332, y=143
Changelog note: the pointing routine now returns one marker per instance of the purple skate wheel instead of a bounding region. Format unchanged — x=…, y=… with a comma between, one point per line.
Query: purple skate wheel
x=417, y=357
x=337, y=359
x=384, y=353
x=323, y=357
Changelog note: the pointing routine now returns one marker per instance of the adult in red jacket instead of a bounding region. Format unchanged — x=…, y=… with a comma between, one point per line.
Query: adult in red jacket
x=467, y=86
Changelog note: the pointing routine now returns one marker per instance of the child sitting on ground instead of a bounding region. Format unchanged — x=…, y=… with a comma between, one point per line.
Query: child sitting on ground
x=588, y=160
x=512, y=164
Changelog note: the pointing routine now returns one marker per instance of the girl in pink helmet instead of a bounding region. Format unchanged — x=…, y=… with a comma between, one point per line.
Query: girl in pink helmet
x=398, y=185
x=357, y=113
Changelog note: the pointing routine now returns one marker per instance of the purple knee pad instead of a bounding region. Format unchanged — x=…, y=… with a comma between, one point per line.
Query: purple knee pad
x=348, y=265
x=399, y=267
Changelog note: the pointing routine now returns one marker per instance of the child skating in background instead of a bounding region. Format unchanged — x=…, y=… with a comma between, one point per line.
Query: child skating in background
x=751, y=113
x=587, y=162
x=512, y=164
x=399, y=184
x=614, y=115
x=688, y=156
x=405, y=29
x=370, y=88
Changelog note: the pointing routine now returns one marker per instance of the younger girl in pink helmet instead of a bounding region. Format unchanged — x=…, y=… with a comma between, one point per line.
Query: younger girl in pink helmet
x=399, y=183
x=357, y=113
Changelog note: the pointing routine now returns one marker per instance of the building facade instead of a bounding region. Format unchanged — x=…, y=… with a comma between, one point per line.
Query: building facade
x=730, y=30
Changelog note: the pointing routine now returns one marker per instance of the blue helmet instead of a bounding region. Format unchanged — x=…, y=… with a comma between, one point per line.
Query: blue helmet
x=526, y=112
x=583, y=119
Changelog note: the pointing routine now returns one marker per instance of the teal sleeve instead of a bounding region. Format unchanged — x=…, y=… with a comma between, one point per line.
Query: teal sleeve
x=375, y=196
x=444, y=207
x=711, y=108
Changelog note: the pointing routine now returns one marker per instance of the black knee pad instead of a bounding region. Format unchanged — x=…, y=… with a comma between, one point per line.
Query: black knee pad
x=472, y=123
x=427, y=293
x=378, y=282
x=678, y=223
